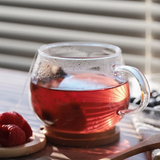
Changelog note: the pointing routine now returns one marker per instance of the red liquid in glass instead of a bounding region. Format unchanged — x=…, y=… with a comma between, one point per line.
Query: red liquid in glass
x=91, y=107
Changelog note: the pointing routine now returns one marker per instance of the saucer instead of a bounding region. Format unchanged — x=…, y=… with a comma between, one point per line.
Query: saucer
x=37, y=142
x=81, y=140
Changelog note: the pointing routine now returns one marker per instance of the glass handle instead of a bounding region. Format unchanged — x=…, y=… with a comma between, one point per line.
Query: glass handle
x=144, y=87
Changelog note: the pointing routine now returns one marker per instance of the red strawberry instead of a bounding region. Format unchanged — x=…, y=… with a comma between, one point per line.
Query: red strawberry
x=11, y=135
x=27, y=129
x=11, y=118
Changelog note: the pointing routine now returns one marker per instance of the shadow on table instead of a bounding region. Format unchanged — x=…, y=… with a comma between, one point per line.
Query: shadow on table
x=51, y=152
x=93, y=153
x=64, y=153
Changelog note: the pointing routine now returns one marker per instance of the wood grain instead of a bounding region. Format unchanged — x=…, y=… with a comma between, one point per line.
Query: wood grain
x=145, y=145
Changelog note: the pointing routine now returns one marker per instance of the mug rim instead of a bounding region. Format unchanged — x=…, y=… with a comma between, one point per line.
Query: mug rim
x=117, y=50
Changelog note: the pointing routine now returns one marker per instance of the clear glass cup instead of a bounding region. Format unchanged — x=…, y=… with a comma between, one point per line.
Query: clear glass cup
x=82, y=87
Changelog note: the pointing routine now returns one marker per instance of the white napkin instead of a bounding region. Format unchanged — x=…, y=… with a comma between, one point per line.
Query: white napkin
x=145, y=131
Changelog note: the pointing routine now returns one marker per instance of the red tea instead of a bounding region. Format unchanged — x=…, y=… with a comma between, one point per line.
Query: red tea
x=82, y=103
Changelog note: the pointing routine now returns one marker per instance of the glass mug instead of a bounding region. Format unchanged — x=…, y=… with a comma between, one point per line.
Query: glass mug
x=82, y=87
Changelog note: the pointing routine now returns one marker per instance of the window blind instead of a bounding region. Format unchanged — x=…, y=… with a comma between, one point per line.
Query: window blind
x=133, y=25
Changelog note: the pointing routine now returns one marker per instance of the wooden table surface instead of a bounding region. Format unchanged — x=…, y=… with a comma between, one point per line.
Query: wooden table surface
x=11, y=86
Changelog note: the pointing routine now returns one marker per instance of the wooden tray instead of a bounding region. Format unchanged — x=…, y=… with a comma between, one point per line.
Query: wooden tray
x=37, y=143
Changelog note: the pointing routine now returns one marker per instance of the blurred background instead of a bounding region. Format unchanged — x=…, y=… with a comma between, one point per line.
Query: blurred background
x=133, y=25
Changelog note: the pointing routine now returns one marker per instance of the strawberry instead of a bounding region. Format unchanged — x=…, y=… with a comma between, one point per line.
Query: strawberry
x=11, y=135
x=11, y=118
